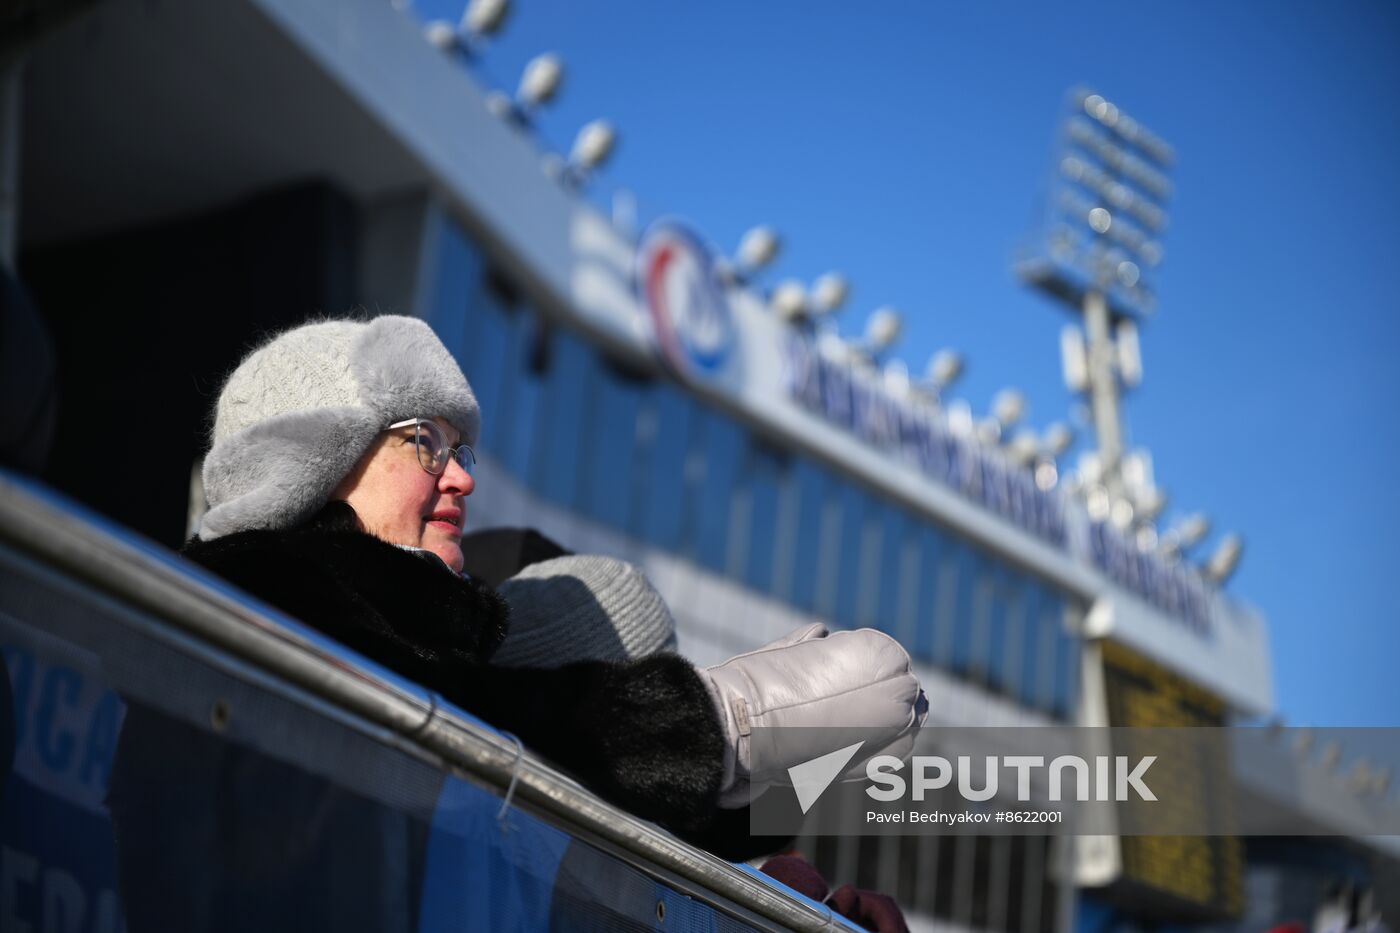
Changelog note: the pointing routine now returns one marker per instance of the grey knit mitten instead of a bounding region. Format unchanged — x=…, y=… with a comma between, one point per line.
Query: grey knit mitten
x=583, y=607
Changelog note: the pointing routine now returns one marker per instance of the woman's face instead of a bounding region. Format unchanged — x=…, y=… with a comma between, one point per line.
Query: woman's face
x=400, y=502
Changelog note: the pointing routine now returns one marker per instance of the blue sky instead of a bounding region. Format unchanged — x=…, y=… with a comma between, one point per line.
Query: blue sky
x=909, y=145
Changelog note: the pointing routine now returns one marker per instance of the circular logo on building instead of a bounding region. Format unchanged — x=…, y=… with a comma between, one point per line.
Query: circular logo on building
x=686, y=305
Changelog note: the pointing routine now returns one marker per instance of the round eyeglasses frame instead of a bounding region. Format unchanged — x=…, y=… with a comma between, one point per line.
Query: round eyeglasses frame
x=430, y=444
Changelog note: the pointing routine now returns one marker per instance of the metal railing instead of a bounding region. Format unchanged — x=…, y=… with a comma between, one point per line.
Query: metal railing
x=195, y=608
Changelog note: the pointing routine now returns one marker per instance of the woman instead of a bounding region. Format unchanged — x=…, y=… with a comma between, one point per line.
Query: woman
x=337, y=483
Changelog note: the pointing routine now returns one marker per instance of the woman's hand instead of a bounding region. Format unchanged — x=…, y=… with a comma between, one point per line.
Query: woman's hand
x=860, y=680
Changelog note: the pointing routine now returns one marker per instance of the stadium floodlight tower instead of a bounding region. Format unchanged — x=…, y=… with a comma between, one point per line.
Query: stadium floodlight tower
x=1097, y=253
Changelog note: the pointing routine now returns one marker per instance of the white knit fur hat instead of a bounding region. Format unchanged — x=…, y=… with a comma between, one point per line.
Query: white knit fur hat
x=582, y=608
x=298, y=413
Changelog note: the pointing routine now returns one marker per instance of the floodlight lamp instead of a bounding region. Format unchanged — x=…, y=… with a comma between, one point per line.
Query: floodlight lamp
x=485, y=17
x=883, y=329
x=442, y=35
x=944, y=367
x=1150, y=504
x=593, y=145
x=1226, y=559
x=540, y=81
x=758, y=247
x=1008, y=407
x=789, y=300
x=1192, y=529
x=1023, y=447
x=1128, y=273
x=829, y=292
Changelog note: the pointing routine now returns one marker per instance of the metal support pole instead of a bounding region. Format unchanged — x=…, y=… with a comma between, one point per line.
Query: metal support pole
x=1103, y=388
x=9, y=163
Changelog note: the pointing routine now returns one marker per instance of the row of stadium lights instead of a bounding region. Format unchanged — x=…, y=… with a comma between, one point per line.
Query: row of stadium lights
x=539, y=84
x=812, y=308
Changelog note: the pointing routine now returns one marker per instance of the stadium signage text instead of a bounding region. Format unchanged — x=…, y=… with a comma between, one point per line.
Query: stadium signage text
x=1176, y=589
x=854, y=399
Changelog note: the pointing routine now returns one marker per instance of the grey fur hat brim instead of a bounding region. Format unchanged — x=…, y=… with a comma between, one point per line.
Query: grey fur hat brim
x=297, y=415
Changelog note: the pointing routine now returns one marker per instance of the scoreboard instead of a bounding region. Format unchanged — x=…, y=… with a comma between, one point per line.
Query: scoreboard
x=1191, y=878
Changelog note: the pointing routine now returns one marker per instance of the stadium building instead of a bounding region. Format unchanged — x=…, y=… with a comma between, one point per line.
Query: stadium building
x=191, y=174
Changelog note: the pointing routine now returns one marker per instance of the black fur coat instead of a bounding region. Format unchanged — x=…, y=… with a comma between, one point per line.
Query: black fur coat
x=643, y=734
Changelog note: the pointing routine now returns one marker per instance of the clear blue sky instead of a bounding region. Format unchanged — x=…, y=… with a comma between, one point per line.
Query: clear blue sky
x=909, y=145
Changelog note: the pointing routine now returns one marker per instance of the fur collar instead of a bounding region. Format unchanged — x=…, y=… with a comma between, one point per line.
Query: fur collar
x=335, y=577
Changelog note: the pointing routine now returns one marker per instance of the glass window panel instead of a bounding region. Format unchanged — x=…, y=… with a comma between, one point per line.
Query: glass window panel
x=736, y=547
x=521, y=382
x=785, y=529
x=970, y=597
x=721, y=442
x=889, y=561
x=643, y=452
x=458, y=269
x=1033, y=642
x=854, y=506
x=663, y=512
x=937, y=591
x=812, y=489
x=829, y=546
x=555, y=469
x=609, y=447
x=930, y=591
x=760, y=479
x=984, y=590
x=872, y=555
x=899, y=600
x=1066, y=670
x=1047, y=658
x=491, y=335
x=1008, y=639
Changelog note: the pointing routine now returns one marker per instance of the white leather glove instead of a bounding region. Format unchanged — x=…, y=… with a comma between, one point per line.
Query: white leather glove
x=859, y=679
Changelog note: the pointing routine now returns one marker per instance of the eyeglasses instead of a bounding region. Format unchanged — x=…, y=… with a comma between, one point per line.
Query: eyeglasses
x=433, y=449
